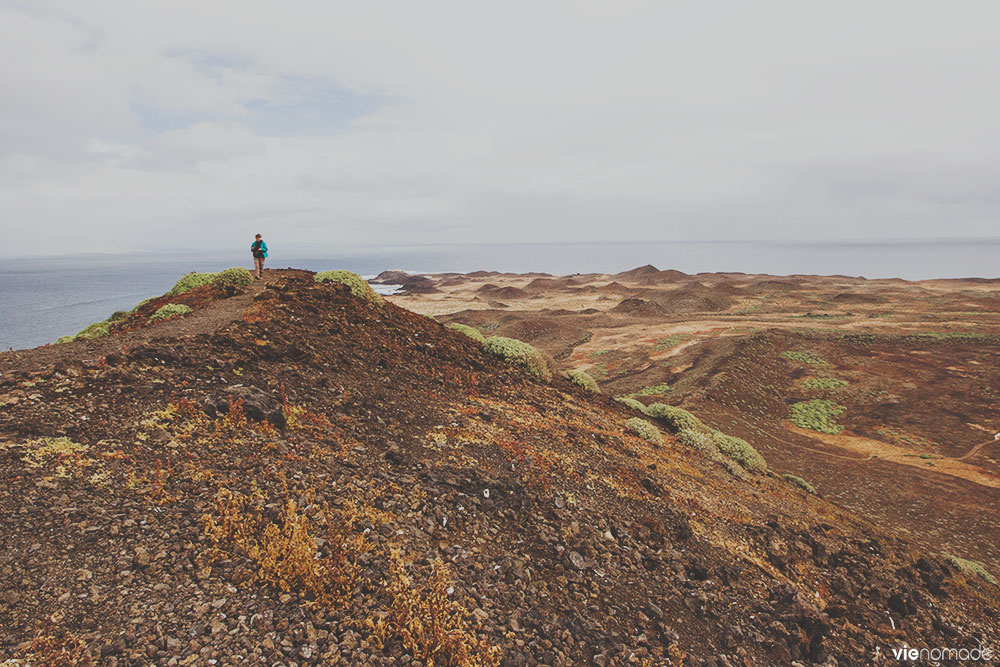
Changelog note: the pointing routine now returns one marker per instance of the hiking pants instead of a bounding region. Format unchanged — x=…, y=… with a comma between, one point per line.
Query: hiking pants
x=258, y=265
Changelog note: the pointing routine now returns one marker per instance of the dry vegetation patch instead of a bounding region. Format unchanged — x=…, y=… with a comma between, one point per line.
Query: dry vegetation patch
x=282, y=544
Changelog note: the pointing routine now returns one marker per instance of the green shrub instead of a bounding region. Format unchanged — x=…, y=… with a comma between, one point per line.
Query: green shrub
x=471, y=332
x=583, y=379
x=632, y=403
x=520, y=354
x=237, y=276
x=823, y=383
x=715, y=444
x=359, y=287
x=141, y=304
x=801, y=483
x=805, y=358
x=818, y=414
x=655, y=390
x=644, y=430
x=169, y=310
x=740, y=451
x=675, y=418
x=670, y=341
x=701, y=442
x=191, y=281
x=95, y=330
x=971, y=568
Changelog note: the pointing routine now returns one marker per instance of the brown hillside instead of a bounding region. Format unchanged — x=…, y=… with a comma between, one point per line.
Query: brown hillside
x=636, y=273
x=313, y=479
x=639, y=308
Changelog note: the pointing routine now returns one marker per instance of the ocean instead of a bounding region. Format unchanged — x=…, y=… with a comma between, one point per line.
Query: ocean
x=42, y=299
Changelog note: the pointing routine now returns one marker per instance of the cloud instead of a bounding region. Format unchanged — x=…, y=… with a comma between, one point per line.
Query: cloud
x=453, y=121
x=209, y=141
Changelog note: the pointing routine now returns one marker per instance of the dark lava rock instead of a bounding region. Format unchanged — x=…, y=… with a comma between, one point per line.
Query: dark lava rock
x=257, y=405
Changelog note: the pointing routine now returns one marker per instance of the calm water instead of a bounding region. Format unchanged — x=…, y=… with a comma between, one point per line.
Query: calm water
x=42, y=299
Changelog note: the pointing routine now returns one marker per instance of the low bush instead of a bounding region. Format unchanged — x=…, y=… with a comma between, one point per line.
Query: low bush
x=359, y=287
x=739, y=450
x=644, y=430
x=189, y=282
x=805, y=358
x=971, y=568
x=655, y=390
x=670, y=341
x=520, y=354
x=801, y=483
x=169, y=310
x=95, y=330
x=818, y=414
x=823, y=383
x=701, y=442
x=140, y=305
x=471, y=332
x=583, y=379
x=632, y=403
x=237, y=276
x=715, y=444
x=675, y=418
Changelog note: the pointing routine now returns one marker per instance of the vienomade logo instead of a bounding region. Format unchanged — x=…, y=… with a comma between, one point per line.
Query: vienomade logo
x=940, y=654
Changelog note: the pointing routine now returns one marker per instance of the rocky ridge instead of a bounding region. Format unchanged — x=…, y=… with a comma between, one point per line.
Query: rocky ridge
x=324, y=481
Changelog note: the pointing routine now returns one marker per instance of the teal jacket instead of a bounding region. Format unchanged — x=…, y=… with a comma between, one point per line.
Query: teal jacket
x=261, y=249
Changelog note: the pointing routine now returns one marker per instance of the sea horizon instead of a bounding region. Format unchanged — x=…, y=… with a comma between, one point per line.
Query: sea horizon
x=43, y=298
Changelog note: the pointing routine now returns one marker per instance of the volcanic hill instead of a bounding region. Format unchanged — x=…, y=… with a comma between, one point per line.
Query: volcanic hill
x=295, y=472
x=882, y=395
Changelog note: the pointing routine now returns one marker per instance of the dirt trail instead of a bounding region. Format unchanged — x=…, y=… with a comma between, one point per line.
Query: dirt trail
x=674, y=351
x=975, y=449
x=861, y=458
x=875, y=448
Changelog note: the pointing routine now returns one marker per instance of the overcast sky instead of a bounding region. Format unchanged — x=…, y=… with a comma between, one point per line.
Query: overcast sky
x=163, y=124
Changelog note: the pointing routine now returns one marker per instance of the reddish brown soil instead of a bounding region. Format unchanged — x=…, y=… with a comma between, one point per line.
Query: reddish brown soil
x=562, y=538
x=922, y=361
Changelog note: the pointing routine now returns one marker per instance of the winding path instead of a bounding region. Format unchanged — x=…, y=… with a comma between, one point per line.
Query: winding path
x=872, y=449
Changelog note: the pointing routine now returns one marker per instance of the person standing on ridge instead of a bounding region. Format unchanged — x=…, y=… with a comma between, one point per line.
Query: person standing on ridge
x=259, y=250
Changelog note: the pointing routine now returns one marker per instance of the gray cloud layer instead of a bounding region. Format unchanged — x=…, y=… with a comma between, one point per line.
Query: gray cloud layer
x=179, y=124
